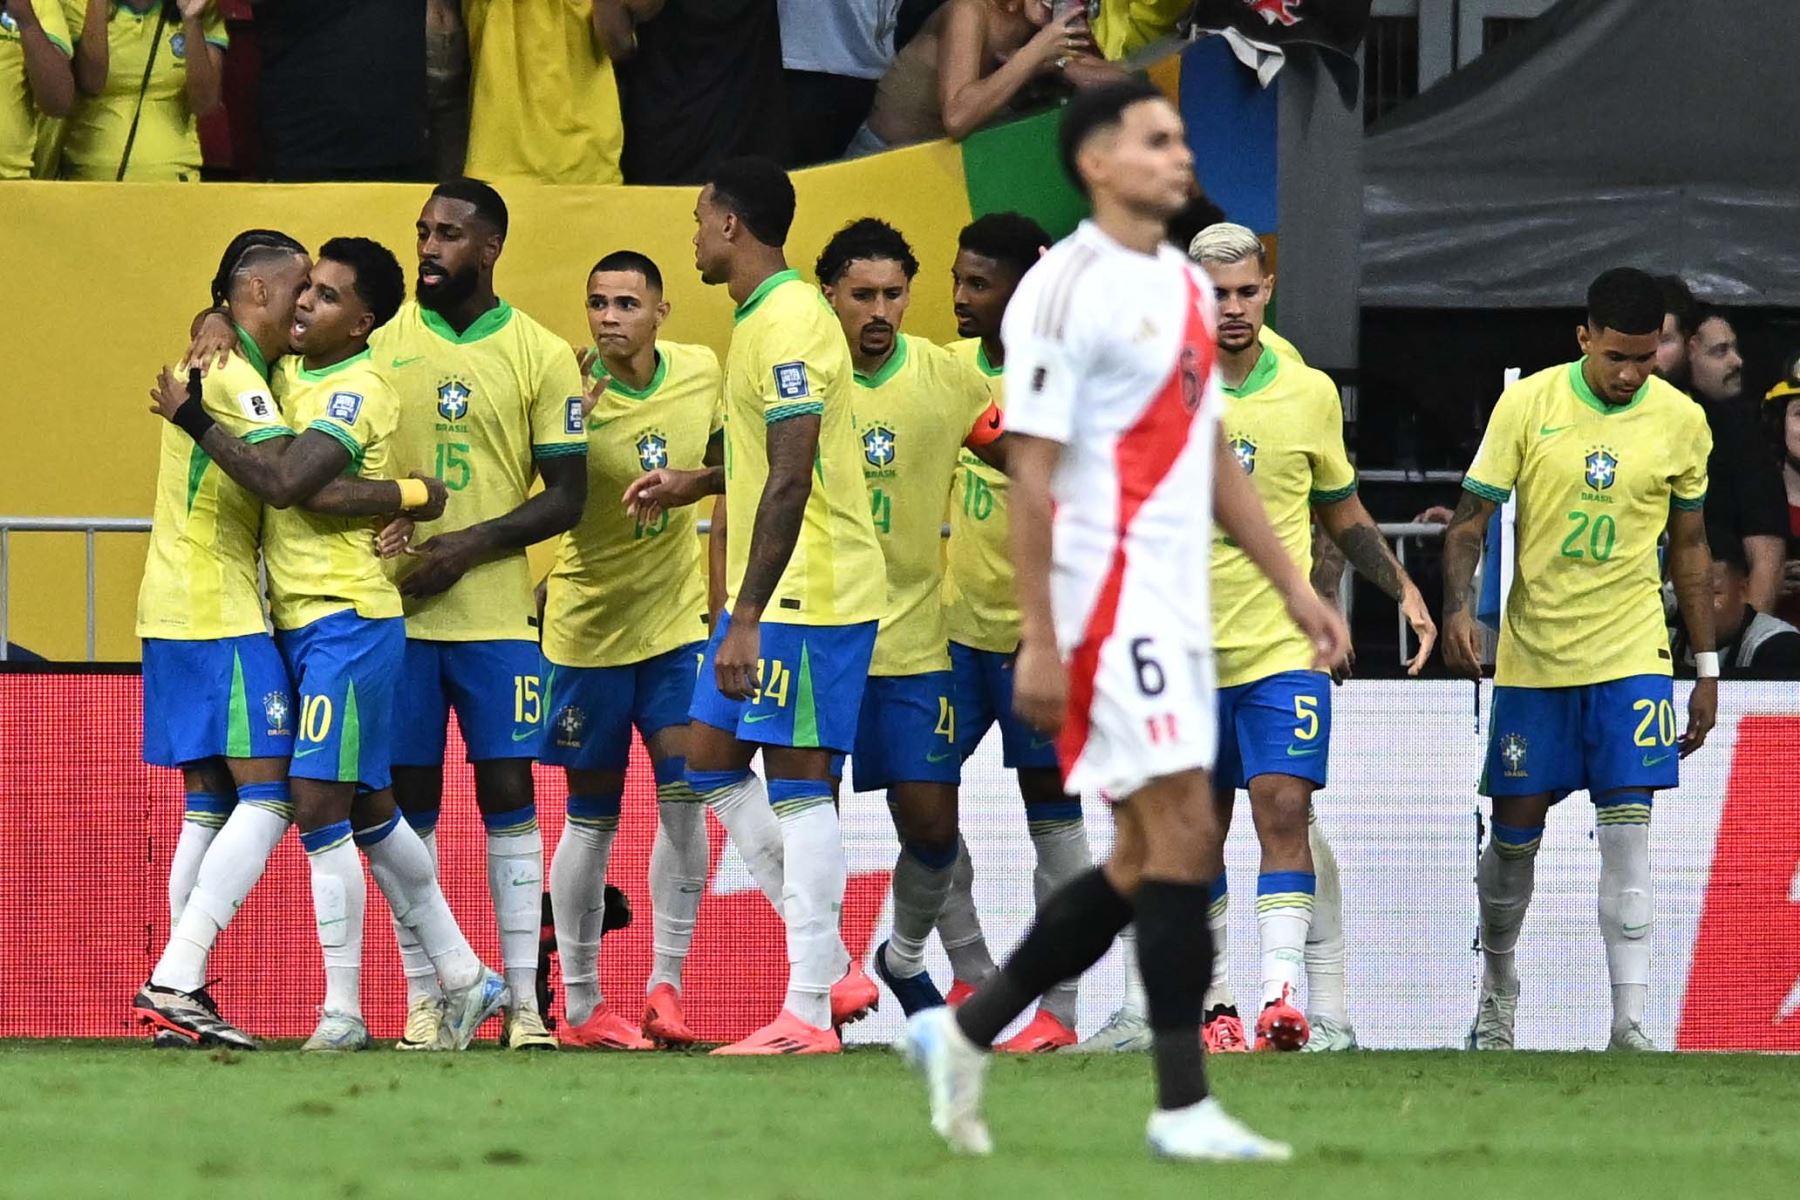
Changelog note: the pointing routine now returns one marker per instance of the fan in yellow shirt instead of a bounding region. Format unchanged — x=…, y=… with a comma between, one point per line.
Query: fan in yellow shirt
x=917, y=406
x=544, y=103
x=146, y=75
x=625, y=627
x=37, y=84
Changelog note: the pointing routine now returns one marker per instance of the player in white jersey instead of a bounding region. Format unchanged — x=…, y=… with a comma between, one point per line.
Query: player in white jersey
x=1115, y=649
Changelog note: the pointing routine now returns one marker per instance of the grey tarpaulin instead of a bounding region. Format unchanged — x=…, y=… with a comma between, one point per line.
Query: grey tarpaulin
x=1658, y=133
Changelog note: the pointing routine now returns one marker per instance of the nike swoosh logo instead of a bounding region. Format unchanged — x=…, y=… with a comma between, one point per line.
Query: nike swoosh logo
x=1551, y=430
x=1651, y=762
x=600, y=422
x=1038, y=743
x=753, y=718
x=939, y=756
x=307, y=751
x=519, y=737
x=529, y=882
x=407, y=362
x=1297, y=752
x=688, y=889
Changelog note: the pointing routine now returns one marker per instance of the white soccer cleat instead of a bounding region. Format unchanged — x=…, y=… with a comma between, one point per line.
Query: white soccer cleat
x=1124, y=1032
x=424, y=1022
x=466, y=1008
x=1328, y=1034
x=1493, y=1027
x=1205, y=1132
x=338, y=1032
x=953, y=1069
x=1631, y=1036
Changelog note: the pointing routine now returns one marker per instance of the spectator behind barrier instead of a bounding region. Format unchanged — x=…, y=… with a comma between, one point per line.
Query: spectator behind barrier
x=1677, y=328
x=145, y=72
x=37, y=84
x=1752, y=644
x=1781, y=417
x=972, y=62
x=832, y=57
x=1745, y=507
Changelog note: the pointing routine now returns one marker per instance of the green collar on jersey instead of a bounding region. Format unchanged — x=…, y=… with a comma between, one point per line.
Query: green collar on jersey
x=252, y=352
x=491, y=321
x=896, y=359
x=983, y=365
x=762, y=292
x=307, y=376
x=630, y=393
x=1578, y=380
x=1260, y=376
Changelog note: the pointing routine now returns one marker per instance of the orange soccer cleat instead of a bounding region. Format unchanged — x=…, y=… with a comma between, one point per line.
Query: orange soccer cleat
x=1281, y=1026
x=1224, y=1034
x=603, y=1030
x=854, y=996
x=786, y=1034
x=960, y=990
x=1044, y=1034
x=664, y=1022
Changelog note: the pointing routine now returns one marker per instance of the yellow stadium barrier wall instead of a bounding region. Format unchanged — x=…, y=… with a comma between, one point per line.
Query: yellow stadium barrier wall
x=103, y=279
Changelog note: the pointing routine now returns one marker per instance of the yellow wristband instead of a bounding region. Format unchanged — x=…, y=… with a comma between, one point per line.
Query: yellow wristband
x=413, y=493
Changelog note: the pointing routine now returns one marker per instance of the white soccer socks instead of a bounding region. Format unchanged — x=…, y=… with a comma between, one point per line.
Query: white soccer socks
x=578, y=896
x=1325, y=936
x=1622, y=829
x=1284, y=907
x=233, y=862
x=406, y=873
x=339, y=893
x=203, y=815
x=1060, y=839
x=1218, y=920
x=814, y=876
x=680, y=859
x=1503, y=882
x=738, y=799
x=421, y=977
x=515, y=868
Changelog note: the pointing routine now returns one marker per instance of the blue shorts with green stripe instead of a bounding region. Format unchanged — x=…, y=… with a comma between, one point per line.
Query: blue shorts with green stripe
x=591, y=710
x=346, y=669
x=226, y=697
x=1601, y=737
x=812, y=686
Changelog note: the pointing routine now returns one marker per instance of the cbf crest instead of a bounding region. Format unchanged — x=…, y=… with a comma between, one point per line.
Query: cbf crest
x=1601, y=468
x=275, y=709
x=453, y=400
x=879, y=446
x=653, y=450
x=1244, y=450
x=1512, y=755
x=569, y=725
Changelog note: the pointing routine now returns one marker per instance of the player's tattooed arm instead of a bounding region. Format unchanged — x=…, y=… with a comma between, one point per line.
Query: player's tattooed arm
x=1348, y=524
x=446, y=558
x=1690, y=570
x=792, y=445
x=1462, y=553
x=1328, y=565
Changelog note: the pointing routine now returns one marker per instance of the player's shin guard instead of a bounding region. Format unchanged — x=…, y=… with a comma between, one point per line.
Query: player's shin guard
x=1218, y=922
x=1073, y=929
x=1284, y=904
x=1175, y=957
x=406, y=873
x=812, y=896
x=515, y=867
x=1503, y=883
x=339, y=893
x=421, y=977
x=232, y=865
x=578, y=896
x=920, y=885
x=201, y=819
x=1060, y=839
x=679, y=861
x=959, y=926
x=1622, y=829
x=740, y=802
x=1325, y=937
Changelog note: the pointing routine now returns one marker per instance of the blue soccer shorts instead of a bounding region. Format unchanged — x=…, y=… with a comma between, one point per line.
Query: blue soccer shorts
x=982, y=693
x=811, y=686
x=1600, y=737
x=906, y=732
x=1277, y=725
x=495, y=687
x=345, y=670
x=226, y=697
x=591, y=710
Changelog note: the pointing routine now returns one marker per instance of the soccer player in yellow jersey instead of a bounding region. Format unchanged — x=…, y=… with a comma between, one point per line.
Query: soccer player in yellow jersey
x=625, y=625
x=1604, y=457
x=141, y=70
x=37, y=83
x=788, y=658
x=337, y=624
x=993, y=253
x=917, y=405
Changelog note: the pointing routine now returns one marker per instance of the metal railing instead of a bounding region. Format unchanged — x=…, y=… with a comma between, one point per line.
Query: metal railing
x=1400, y=532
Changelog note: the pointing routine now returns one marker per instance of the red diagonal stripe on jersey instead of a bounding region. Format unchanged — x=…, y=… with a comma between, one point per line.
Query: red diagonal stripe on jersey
x=1144, y=456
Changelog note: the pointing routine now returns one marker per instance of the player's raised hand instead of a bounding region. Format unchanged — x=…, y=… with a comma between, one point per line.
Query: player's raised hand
x=1324, y=626
x=443, y=560
x=395, y=538
x=214, y=340
x=1040, y=685
x=1703, y=713
x=591, y=388
x=1462, y=645
x=1413, y=607
x=433, y=508
x=170, y=393
x=735, y=665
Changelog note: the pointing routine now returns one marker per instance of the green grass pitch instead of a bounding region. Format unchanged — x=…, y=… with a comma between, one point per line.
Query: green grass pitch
x=104, y=1120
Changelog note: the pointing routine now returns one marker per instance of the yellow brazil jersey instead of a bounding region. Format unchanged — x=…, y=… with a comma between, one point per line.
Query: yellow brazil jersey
x=19, y=115
x=1595, y=484
x=623, y=591
x=788, y=358
x=912, y=417
x=475, y=409
x=979, y=605
x=200, y=573
x=544, y=104
x=1281, y=346
x=1285, y=425
x=320, y=564
x=167, y=146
